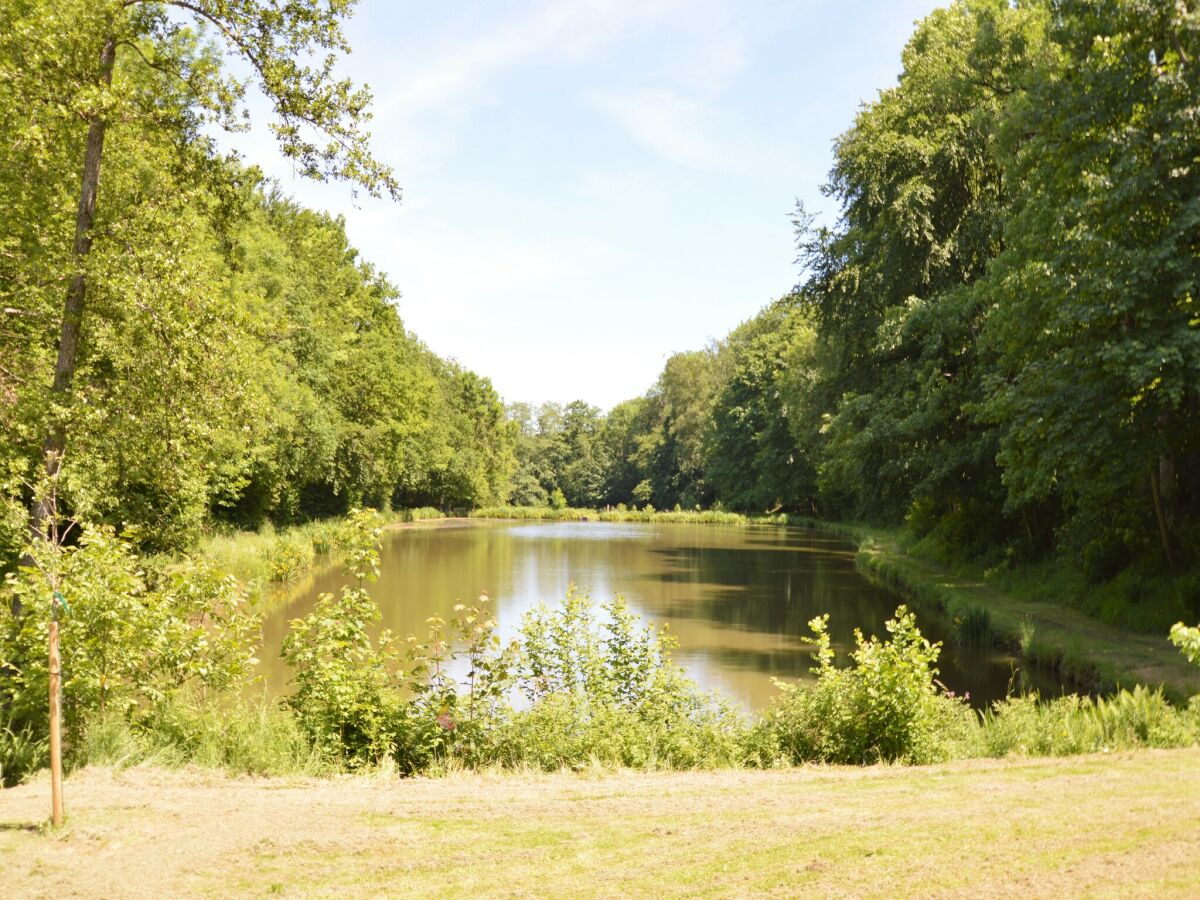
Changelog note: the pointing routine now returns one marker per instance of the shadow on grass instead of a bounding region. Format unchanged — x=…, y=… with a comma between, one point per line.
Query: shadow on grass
x=21, y=826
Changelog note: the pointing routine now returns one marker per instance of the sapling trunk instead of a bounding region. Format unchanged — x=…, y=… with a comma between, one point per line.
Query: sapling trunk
x=56, y=794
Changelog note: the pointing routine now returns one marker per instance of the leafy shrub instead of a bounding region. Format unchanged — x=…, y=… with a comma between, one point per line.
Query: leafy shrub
x=887, y=706
x=597, y=687
x=344, y=697
x=449, y=714
x=605, y=688
x=129, y=639
x=358, y=537
x=1187, y=640
x=287, y=558
x=14, y=527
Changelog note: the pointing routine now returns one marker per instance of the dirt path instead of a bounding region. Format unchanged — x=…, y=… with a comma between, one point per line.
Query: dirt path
x=1125, y=825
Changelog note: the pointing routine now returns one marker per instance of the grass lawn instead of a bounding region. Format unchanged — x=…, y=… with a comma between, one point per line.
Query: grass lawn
x=1126, y=824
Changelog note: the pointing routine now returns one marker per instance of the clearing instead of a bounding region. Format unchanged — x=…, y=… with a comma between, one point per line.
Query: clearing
x=1120, y=824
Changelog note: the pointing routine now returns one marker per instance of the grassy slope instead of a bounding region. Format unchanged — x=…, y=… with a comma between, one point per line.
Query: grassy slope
x=1085, y=649
x=1124, y=825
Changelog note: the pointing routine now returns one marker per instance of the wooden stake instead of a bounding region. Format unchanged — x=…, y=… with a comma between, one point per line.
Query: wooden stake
x=56, y=798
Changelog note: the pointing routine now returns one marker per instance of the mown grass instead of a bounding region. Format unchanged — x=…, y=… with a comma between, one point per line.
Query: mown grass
x=1121, y=825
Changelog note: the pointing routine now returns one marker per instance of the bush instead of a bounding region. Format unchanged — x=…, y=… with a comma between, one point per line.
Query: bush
x=129, y=638
x=605, y=688
x=886, y=707
x=599, y=687
x=343, y=698
x=1028, y=726
x=288, y=557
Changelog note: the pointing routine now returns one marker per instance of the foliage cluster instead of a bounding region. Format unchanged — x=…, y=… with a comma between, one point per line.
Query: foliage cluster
x=132, y=638
x=995, y=342
x=230, y=359
x=578, y=685
x=156, y=663
x=886, y=706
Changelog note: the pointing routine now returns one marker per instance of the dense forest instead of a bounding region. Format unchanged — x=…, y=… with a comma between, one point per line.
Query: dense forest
x=997, y=343
x=236, y=360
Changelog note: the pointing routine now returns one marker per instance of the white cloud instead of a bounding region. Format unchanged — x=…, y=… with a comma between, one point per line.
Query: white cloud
x=677, y=128
x=562, y=29
x=625, y=188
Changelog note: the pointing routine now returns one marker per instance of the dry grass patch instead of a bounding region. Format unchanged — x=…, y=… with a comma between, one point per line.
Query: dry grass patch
x=1126, y=824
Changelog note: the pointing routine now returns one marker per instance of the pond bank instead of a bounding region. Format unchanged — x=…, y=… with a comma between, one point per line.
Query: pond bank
x=1089, y=653
x=1124, y=824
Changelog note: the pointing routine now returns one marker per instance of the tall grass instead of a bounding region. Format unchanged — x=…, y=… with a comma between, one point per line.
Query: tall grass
x=269, y=558
x=242, y=737
x=1065, y=726
x=264, y=739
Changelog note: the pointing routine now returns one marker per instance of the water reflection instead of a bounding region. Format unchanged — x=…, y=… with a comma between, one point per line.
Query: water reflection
x=738, y=599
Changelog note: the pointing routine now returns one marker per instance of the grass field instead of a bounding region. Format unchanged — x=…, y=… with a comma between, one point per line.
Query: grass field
x=1108, y=825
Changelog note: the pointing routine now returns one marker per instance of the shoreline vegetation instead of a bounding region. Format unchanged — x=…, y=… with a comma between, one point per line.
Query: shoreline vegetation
x=603, y=697
x=1088, y=654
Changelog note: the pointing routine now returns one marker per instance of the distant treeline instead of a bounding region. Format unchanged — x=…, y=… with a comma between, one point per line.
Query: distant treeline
x=997, y=341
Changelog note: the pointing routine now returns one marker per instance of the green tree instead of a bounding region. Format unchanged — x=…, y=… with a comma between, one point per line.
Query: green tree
x=1096, y=393
x=93, y=52
x=753, y=460
x=925, y=200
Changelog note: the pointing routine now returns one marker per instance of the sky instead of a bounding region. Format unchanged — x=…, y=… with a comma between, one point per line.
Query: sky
x=593, y=185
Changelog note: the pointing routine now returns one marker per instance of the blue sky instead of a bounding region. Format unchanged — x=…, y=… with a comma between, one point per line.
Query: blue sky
x=592, y=185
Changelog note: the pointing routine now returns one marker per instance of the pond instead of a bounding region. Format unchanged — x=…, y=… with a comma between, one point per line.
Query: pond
x=737, y=598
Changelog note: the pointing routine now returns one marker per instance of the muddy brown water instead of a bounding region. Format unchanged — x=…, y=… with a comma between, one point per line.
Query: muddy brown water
x=737, y=598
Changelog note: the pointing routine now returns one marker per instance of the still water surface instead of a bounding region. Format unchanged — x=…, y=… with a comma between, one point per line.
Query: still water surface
x=738, y=599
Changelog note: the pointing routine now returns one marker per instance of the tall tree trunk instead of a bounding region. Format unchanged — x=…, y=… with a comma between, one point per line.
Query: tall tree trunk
x=1164, y=532
x=68, y=341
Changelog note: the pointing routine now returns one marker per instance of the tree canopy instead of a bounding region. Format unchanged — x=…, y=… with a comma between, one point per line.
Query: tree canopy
x=996, y=341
